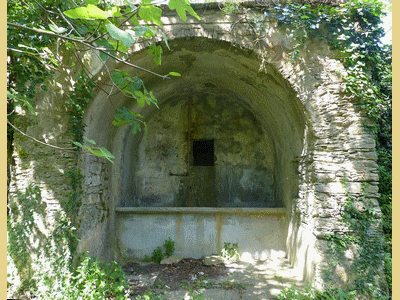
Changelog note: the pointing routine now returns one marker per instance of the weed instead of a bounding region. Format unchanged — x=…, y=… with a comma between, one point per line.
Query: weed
x=159, y=284
x=195, y=295
x=278, y=277
x=169, y=246
x=230, y=251
x=149, y=296
x=197, y=283
x=22, y=153
x=92, y=280
x=311, y=293
x=184, y=284
x=158, y=253
x=230, y=7
x=204, y=283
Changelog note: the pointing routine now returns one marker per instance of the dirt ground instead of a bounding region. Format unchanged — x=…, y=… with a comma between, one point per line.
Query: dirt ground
x=238, y=280
x=186, y=273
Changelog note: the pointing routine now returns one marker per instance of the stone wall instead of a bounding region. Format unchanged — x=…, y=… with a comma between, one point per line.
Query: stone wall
x=37, y=164
x=315, y=132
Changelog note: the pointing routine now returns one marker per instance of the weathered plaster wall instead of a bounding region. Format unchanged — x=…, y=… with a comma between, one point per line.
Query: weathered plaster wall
x=242, y=175
x=202, y=231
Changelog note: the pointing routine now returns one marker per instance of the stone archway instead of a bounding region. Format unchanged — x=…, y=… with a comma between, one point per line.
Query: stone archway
x=312, y=128
x=313, y=132
x=257, y=127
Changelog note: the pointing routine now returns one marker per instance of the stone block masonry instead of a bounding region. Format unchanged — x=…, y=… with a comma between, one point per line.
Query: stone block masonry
x=285, y=133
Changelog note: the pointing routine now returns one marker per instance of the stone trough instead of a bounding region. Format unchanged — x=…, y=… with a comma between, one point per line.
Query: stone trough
x=201, y=231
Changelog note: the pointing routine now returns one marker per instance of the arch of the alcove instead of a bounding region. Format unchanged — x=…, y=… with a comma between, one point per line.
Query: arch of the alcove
x=282, y=117
x=279, y=111
x=100, y=114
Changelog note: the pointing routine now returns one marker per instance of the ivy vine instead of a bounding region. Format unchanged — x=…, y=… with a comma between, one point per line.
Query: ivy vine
x=353, y=29
x=360, y=217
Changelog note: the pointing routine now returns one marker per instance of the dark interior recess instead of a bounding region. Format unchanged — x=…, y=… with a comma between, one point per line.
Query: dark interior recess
x=203, y=153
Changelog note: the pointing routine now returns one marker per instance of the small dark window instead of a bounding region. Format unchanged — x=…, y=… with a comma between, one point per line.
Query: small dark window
x=203, y=153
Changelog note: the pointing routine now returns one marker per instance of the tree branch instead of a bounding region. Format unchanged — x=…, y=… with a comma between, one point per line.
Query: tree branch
x=40, y=142
x=37, y=56
x=69, y=23
x=45, y=32
x=86, y=44
x=119, y=26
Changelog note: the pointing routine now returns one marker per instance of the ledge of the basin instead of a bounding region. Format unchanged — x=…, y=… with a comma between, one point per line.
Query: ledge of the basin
x=202, y=210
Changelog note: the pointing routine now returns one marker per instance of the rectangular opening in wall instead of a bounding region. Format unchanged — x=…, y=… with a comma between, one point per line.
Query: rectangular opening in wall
x=202, y=153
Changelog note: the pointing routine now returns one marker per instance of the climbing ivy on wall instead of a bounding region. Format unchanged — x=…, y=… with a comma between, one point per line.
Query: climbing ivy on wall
x=42, y=257
x=42, y=35
x=354, y=29
x=363, y=237
x=78, y=99
x=39, y=31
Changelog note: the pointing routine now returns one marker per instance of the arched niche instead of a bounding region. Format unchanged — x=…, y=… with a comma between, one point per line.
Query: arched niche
x=208, y=69
x=204, y=148
x=252, y=119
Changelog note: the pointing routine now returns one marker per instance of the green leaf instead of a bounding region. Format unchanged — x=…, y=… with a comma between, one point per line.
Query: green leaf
x=138, y=83
x=94, y=2
x=174, y=74
x=165, y=39
x=95, y=151
x=140, y=30
x=118, y=46
x=107, y=153
x=20, y=101
x=151, y=13
x=69, y=45
x=141, y=100
x=136, y=127
x=29, y=107
x=124, y=117
x=115, y=11
x=156, y=51
x=152, y=95
x=125, y=36
x=105, y=44
x=149, y=33
x=181, y=7
x=153, y=99
x=89, y=140
x=77, y=144
x=130, y=89
x=10, y=95
x=57, y=29
x=118, y=122
x=87, y=13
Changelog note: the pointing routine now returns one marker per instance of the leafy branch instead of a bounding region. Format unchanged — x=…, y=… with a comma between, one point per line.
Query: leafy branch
x=84, y=43
x=105, y=29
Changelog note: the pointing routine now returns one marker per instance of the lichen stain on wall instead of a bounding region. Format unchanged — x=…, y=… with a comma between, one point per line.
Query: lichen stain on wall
x=242, y=174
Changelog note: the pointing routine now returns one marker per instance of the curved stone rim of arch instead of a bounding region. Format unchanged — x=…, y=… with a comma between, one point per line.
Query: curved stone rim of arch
x=317, y=85
x=173, y=86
